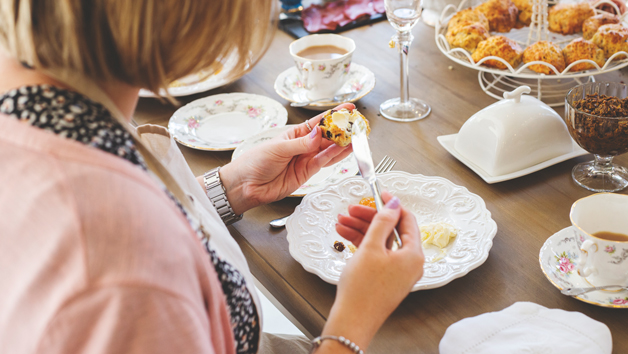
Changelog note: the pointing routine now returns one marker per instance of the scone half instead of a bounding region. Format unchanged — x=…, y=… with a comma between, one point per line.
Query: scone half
x=336, y=125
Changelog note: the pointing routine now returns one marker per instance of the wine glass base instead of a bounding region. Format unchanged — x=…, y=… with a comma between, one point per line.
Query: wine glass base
x=410, y=111
x=611, y=179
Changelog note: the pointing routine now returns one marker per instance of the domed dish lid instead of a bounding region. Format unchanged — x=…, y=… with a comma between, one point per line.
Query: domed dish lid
x=513, y=134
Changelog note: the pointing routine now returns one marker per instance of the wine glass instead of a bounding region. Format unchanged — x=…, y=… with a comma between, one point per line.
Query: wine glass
x=403, y=15
x=604, y=137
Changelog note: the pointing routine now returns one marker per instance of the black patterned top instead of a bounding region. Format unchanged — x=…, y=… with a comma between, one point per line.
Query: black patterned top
x=74, y=116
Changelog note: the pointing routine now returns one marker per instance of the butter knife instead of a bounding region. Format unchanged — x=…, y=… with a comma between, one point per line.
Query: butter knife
x=362, y=153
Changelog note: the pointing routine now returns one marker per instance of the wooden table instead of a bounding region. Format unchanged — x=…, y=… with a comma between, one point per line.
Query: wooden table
x=527, y=210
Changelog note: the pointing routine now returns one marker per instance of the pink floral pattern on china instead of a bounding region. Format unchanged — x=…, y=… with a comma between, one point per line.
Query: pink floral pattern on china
x=619, y=301
x=559, y=258
x=193, y=122
x=254, y=112
x=359, y=78
x=347, y=68
x=610, y=249
x=196, y=123
x=356, y=86
x=322, y=67
x=565, y=263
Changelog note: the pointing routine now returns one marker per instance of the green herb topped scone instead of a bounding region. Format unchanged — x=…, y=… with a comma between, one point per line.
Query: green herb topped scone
x=336, y=125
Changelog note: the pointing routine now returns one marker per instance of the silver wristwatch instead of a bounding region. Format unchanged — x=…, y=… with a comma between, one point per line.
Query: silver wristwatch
x=218, y=196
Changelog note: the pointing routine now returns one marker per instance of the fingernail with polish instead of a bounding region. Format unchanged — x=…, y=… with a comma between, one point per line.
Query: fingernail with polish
x=393, y=203
x=314, y=132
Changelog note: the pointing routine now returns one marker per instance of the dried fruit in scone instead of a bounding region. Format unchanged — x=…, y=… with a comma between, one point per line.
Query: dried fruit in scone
x=612, y=39
x=547, y=52
x=369, y=202
x=467, y=37
x=591, y=24
x=467, y=17
x=501, y=47
x=525, y=12
x=336, y=125
x=580, y=48
x=568, y=18
x=501, y=14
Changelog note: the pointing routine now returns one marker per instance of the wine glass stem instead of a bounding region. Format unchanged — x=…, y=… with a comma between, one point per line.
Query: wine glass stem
x=603, y=163
x=404, y=40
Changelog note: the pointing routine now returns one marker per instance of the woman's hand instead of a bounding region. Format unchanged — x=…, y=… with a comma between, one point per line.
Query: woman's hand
x=279, y=167
x=376, y=279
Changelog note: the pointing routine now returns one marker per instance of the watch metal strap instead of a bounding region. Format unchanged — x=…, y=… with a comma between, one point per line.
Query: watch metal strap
x=218, y=196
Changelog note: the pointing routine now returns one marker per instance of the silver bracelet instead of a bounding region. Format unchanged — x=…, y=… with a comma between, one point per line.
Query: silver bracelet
x=218, y=196
x=316, y=342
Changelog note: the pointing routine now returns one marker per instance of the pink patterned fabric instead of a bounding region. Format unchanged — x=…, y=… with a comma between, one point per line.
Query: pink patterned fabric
x=339, y=13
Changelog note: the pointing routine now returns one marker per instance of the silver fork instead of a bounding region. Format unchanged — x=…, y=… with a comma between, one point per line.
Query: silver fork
x=385, y=165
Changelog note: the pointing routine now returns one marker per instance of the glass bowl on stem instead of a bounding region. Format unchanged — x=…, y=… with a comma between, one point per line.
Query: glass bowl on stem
x=604, y=137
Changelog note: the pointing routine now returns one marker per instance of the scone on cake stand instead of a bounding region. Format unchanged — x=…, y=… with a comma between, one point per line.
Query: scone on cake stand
x=525, y=42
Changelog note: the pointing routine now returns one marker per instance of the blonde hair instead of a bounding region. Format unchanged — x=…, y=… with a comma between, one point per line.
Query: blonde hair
x=144, y=43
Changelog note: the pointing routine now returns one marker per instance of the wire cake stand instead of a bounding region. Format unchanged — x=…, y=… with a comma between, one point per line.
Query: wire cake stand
x=551, y=89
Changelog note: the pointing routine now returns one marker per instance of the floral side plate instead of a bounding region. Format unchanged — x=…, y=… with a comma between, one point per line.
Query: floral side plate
x=559, y=258
x=324, y=177
x=289, y=86
x=222, y=122
x=311, y=228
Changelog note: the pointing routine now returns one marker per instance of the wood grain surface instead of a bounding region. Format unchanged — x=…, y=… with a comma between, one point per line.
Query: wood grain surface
x=527, y=210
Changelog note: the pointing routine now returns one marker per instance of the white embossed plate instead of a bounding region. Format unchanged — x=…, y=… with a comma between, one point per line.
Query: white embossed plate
x=311, y=228
x=289, y=86
x=559, y=258
x=222, y=122
x=327, y=175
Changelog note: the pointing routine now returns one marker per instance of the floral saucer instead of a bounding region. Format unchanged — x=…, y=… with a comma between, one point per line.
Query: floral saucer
x=222, y=122
x=289, y=86
x=326, y=176
x=559, y=259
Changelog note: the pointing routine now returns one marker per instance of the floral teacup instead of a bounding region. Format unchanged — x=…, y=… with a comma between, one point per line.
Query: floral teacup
x=323, y=77
x=604, y=259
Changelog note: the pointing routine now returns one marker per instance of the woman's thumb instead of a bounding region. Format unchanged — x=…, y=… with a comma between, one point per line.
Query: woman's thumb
x=383, y=223
x=302, y=145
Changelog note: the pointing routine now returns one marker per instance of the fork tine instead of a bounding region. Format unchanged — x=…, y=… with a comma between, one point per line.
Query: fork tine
x=390, y=166
x=379, y=165
x=384, y=166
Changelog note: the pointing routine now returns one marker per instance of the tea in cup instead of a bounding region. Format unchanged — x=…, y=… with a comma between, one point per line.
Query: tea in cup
x=323, y=62
x=601, y=221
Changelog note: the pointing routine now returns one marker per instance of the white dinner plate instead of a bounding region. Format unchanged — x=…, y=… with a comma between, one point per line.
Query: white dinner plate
x=449, y=141
x=222, y=122
x=199, y=82
x=311, y=228
x=326, y=176
x=559, y=258
x=289, y=86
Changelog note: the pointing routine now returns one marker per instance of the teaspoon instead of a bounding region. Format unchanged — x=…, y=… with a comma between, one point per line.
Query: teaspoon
x=580, y=291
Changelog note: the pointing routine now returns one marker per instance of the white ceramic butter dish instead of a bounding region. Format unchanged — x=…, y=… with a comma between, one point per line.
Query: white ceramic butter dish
x=512, y=138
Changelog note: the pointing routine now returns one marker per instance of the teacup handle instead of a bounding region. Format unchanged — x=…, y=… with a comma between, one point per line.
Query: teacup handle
x=307, y=69
x=583, y=269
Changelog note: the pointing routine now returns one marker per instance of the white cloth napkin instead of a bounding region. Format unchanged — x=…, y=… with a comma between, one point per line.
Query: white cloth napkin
x=526, y=327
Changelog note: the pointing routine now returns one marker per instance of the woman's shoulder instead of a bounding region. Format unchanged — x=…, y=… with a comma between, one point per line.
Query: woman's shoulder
x=93, y=202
